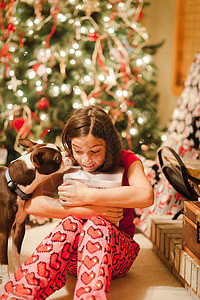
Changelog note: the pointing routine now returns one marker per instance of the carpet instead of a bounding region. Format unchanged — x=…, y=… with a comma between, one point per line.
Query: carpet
x=148, y=278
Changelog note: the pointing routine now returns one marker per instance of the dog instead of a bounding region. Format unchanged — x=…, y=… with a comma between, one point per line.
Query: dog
x=18, y=181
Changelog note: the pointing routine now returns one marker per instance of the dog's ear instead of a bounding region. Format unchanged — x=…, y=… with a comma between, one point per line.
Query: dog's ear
x=26, y=143
x=38, y=159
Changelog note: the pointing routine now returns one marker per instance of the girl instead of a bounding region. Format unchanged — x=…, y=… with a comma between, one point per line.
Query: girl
x=86, y=242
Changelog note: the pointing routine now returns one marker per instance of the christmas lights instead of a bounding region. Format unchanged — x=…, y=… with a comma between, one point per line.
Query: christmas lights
x=66, y=54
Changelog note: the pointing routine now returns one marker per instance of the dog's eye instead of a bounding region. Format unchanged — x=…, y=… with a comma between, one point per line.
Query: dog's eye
x=58, y=158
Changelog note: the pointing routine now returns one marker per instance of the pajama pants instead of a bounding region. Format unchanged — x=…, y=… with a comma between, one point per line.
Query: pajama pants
x=95, y=251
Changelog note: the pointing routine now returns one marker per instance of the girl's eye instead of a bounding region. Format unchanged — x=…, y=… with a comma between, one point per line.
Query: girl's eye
x=95, y=151
x=77, y=151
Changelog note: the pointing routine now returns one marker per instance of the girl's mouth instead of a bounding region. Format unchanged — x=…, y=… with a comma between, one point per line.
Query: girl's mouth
x=88, y=166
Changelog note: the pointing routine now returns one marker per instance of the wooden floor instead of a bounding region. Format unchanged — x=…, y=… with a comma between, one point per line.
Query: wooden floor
x=166, y=236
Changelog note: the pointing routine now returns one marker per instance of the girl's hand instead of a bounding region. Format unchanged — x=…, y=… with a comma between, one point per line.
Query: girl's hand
x=73, y=193
x=66, y=162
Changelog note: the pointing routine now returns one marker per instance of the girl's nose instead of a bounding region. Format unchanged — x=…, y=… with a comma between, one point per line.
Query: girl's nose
x=85, y=158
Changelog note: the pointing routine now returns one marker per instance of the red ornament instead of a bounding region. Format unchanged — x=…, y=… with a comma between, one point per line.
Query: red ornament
x=3, y=4
x=92, y=36
x=43, y=103
x=18, y=123
x=11, y=27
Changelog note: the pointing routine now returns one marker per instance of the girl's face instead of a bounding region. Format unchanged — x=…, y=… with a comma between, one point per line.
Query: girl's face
x=89, y=152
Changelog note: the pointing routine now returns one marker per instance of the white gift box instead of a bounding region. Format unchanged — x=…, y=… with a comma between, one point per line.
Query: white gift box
x=102, y=180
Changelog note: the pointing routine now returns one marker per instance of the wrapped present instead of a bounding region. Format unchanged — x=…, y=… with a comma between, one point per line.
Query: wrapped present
x=96, y=179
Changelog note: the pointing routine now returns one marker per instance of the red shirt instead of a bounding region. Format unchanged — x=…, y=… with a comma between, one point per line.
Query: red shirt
x=126, y=224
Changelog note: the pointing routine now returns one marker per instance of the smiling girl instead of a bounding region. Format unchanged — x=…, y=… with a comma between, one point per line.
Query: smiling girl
x=86, y=243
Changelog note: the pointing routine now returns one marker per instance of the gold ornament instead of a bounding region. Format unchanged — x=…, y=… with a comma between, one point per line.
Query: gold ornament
x=90, y=6
x=63, y=68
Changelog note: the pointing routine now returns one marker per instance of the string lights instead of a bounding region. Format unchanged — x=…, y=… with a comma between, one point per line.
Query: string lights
x=66, y=54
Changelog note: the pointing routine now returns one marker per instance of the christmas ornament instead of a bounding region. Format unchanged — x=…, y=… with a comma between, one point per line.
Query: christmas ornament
x=11, y=27
x=2, y=4
x=144, y=147
x=21, y=126
x=92, y=36
x=104, y=69
x=18, y=123
x=62, y=68
x=43, y=103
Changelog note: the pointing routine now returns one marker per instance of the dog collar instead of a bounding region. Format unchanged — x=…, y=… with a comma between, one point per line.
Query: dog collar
x=15, y=189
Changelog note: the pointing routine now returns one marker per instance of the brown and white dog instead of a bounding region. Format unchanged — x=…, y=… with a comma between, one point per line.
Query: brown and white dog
x=17, y=182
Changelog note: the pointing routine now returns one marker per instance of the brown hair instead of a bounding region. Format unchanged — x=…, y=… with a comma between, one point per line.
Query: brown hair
x=94, y=120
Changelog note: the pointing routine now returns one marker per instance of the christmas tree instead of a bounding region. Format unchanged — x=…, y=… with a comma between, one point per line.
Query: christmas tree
x=57, y=56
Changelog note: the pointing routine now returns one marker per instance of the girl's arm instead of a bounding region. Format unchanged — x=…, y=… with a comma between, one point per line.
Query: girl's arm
x=138, y=194
x=42, y=204
x=45, y=206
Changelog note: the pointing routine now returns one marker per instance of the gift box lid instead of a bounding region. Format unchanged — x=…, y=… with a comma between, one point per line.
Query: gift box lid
x=96, y=179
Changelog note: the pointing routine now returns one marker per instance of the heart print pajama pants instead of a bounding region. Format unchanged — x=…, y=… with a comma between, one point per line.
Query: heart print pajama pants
x=95, y=251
